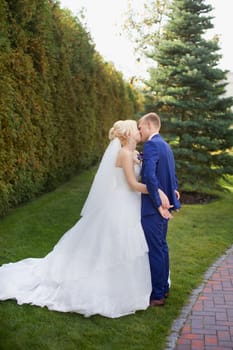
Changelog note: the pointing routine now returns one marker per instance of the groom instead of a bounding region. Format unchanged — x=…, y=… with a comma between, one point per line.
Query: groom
x=158, y=171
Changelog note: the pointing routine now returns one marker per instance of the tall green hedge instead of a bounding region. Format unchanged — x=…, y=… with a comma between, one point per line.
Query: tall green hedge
x=58, y=99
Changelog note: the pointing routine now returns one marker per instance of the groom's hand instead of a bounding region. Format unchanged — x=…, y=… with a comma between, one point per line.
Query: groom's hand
x=165, y=213
x=177, y=194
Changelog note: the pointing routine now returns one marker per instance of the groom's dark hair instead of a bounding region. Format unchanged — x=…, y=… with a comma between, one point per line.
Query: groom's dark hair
x=153, y=118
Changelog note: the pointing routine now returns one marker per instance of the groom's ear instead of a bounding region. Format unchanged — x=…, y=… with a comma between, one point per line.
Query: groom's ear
x=149, y=124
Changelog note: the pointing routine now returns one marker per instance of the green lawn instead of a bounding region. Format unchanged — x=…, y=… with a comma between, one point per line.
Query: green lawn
x=198, y=235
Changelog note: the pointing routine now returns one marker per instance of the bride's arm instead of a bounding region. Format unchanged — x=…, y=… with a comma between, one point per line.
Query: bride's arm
x=127, y=164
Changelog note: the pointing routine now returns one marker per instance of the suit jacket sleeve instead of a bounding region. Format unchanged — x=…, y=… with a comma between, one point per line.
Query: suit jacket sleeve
x=150, y=162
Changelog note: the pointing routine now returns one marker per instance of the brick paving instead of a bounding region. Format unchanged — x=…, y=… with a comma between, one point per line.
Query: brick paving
x=207, y=322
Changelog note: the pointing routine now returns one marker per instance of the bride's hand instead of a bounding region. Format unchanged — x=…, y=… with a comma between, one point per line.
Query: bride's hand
x=164, y=199
x=137, y=157
x=165, y=213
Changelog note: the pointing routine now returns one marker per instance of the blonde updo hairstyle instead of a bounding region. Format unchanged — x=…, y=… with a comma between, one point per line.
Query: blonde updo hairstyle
x=122, y=129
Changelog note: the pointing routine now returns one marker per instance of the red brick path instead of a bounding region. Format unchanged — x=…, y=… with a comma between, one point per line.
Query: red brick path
x=209, y=323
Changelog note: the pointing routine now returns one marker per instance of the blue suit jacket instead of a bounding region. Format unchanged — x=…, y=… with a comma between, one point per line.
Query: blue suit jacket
x=158, y=171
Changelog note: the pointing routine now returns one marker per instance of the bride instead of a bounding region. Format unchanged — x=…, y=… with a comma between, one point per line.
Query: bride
x=100, y=266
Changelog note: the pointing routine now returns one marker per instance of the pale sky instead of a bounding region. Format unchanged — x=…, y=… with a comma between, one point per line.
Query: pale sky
x=104, y=20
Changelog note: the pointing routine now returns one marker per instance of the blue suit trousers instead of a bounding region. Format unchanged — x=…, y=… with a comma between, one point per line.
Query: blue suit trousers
x=155, y=229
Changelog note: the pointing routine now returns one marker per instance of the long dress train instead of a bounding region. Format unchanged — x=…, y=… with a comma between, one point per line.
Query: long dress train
x=100, y=266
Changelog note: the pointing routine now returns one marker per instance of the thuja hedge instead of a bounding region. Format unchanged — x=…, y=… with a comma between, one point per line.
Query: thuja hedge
x=58, y=99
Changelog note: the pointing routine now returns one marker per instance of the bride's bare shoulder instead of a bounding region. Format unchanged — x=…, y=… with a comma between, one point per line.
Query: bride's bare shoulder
x=124, y=152
x=123, y=155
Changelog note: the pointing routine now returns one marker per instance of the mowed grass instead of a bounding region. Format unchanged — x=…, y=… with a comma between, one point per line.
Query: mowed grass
x=198, y=235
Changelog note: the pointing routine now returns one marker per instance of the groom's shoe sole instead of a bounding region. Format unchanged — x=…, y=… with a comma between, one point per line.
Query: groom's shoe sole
x=159, y=302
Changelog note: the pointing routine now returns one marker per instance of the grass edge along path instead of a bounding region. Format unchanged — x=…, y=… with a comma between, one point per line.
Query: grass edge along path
x=197, y=236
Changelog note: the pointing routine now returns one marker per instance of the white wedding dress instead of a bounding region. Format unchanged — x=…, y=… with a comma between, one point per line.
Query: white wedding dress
x=100, y=266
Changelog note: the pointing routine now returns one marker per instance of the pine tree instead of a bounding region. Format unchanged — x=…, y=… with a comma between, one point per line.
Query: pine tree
x=188, y=91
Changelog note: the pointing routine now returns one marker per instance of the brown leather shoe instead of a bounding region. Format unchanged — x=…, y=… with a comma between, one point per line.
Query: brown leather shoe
x=159, y=302
x=166, y=295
